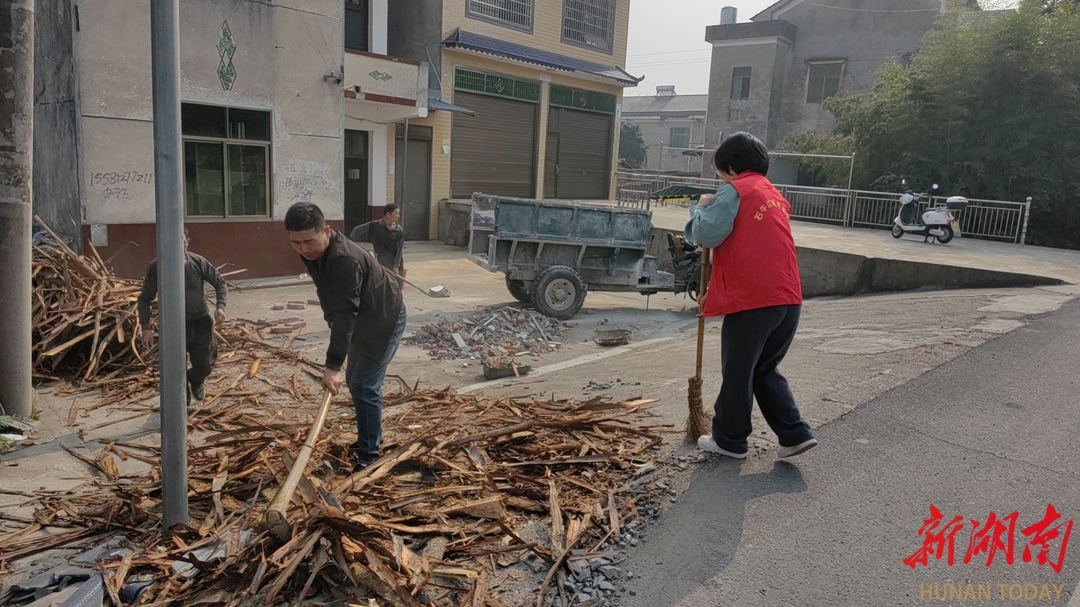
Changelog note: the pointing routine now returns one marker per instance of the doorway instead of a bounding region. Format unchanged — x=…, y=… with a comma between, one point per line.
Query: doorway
x=356, y=179
x=578, y=157
x=551, y=166
x=412, y=180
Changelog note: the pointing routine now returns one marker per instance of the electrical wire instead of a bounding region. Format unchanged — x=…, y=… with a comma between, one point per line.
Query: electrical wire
x=693, y=50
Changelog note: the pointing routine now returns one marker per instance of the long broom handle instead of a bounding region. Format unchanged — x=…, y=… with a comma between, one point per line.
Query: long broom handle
x=404, y=280
x=702, y=287
x=275, y=514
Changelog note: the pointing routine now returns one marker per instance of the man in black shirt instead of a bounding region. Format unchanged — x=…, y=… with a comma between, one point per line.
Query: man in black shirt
x=387, y=239
x=365, y=311
x=199, y=329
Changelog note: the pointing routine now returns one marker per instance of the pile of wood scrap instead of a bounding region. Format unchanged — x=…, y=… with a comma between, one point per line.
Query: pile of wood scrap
x=501, y=332
x=85, y=318
x=465, y=483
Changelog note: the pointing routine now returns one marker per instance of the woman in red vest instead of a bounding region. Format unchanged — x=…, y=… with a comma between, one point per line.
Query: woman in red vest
x=755, y=286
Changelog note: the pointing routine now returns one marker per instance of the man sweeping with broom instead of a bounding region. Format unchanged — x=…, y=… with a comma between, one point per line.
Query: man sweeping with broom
x=755, y=286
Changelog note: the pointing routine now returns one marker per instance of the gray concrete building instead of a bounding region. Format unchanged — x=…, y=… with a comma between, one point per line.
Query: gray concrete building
x=770, y=75
x=280, y=102
x=670, y=124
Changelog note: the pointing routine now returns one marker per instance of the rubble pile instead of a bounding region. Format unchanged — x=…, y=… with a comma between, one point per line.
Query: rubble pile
x=503, y=332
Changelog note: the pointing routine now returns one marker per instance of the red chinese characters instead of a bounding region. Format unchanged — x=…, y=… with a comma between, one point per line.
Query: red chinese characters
x=1042, y=534
x=1048, y=537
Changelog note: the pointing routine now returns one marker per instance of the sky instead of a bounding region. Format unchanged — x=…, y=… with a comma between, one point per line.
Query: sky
x=666, y=42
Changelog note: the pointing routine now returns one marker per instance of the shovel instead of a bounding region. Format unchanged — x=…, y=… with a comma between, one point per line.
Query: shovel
x=438, y=291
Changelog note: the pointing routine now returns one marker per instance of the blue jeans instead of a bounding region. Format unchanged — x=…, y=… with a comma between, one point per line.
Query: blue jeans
x=752, y=345
x=365, y=375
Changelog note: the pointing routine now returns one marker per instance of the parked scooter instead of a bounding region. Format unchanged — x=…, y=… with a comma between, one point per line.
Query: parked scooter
x=935, y=222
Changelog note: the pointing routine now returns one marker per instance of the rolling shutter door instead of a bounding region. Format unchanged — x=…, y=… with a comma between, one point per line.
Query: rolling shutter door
x=493, y=152
x=584, y=161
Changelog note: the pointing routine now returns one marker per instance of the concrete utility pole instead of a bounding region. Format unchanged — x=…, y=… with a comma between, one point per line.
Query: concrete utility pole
x=165, y=70
x=16, y=211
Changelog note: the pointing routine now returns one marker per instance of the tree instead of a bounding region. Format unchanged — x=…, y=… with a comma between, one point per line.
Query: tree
x=632, y=146
x=820, y=171
x=989, y=108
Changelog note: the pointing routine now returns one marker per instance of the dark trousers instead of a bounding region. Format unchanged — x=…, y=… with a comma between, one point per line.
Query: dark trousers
x=365, y=375
x=201, y=348
x=752, y=345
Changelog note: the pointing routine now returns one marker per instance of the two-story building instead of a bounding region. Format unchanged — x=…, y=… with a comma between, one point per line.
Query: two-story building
x=770, y=75
x=535, y=88
x=281, y=102
x=673, y=127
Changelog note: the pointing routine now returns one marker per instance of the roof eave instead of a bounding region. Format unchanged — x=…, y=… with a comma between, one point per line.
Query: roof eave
x=625, y=82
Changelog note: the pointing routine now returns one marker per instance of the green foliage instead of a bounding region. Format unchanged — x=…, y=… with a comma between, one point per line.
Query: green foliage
x=820, y=171
x=990, y=108
x=632, y=146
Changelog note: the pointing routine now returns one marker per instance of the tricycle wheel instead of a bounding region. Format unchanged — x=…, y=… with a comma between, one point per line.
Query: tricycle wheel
x=518, y=289
x=558, y=292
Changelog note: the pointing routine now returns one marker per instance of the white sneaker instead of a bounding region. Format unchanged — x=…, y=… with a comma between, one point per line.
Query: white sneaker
x=706, y=443
x=794, y=450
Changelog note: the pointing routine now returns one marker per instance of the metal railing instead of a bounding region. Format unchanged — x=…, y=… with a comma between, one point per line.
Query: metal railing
x=987, y=219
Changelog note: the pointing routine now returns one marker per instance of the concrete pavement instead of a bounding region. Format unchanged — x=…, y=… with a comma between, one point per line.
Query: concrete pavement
x=994, y=430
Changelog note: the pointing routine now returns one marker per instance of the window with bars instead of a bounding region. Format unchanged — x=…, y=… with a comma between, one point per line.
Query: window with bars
x=226, y=161
x=493, y=84
x=581, y=100
x=356, y=25
x=517, y=14
x=589, y=23
x=679, y=137
x=740, y=83
x=824, y=81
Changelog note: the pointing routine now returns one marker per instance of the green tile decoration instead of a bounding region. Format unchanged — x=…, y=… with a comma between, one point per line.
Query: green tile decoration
x=582, y=100
x=226, y=48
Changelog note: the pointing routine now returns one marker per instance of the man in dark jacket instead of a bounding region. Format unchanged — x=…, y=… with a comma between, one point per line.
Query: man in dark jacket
x=386, y=237
x=199, y=329
x=365, y=311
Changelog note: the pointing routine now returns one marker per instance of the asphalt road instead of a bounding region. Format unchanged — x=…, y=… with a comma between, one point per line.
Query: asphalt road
x=995, y=430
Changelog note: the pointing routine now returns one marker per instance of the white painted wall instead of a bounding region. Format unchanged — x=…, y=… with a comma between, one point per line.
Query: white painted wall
x=283, y=50
x=377, y=158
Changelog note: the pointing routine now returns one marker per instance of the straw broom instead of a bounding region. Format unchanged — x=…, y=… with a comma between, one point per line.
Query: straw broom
x=698, y=424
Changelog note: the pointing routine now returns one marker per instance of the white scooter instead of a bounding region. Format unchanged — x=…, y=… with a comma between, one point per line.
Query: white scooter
x=935, y=222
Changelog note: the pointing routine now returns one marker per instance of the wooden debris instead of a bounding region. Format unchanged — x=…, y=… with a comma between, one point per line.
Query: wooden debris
x=435, y=517
x=448, y=471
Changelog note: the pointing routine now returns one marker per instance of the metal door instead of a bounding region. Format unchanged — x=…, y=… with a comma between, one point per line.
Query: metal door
x=551, y=166
x=356, y=179
x=584, y=153
x=413, y=180
x=493, y=152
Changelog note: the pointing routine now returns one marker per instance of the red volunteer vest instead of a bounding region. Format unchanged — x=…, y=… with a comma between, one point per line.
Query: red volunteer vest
x=755, y=267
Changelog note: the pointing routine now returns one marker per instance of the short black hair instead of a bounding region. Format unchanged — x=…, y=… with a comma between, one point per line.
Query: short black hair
x=390, y=208
x=304, y=216
x=740, y=153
